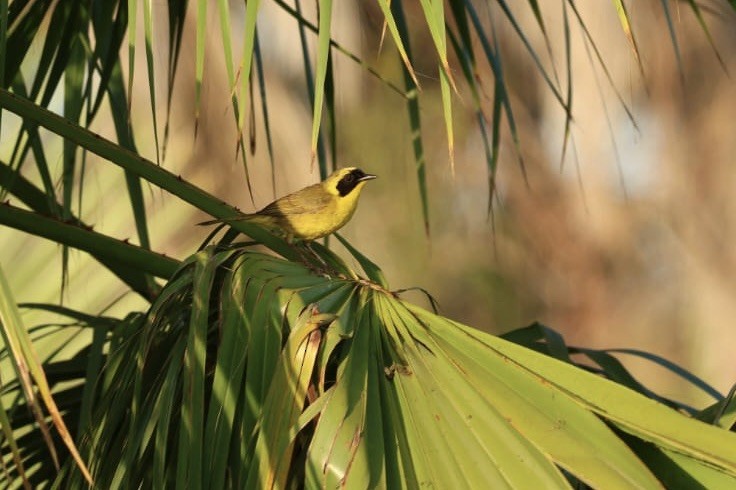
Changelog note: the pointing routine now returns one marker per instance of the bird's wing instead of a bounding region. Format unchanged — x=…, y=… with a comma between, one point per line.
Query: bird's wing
x=309, y=200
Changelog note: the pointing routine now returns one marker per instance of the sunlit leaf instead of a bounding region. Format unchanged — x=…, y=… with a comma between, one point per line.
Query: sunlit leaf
x=323, y=56
x=32, y=377
x=625, y=21
x=398, y=33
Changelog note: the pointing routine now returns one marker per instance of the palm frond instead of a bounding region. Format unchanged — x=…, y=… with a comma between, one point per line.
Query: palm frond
x=252, y=371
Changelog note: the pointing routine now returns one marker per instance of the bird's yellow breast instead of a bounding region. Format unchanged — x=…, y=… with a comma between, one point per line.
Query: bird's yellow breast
x=331, y=215
x=313, y=212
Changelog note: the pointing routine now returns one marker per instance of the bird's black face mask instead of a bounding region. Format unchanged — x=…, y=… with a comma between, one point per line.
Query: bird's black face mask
x=348, y=183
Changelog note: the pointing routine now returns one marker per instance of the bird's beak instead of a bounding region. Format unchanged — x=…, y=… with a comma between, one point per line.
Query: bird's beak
x=367, y=177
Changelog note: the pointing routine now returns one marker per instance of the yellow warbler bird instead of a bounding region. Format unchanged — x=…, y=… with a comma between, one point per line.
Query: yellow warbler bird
x=313, y=212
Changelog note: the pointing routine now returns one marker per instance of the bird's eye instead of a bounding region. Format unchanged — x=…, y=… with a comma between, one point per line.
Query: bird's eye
x=349, y=178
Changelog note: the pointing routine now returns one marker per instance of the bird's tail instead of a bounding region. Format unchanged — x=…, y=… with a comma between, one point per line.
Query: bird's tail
x=210, y=222
x=224, y=220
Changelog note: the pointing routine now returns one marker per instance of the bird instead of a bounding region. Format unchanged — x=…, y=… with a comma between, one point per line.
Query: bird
x=314, y=211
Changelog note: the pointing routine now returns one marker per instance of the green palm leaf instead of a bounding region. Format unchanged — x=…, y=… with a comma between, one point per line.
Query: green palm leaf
x=256, y=372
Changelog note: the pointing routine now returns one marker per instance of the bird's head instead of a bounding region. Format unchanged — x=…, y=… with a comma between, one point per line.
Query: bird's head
x=346, y=181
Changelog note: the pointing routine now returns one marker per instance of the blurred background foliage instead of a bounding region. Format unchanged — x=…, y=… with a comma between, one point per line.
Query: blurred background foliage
x=621, y=240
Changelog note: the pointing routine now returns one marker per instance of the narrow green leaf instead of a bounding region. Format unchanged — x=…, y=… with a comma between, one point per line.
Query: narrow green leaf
x=501, y=99
x=567, y=135
x=28, y=367
x=401, y=40
x=534, y=5
x=63, y=32
x=35, y=144
x=677, y=471
x=412, y=106
x=263, y=352
x=146, y=412
x=336, y=436
x=701, y=20
x=148, y=30
x=264, y=111
x=345, y=306
x=447, y=111
x=527, y=44
x=323, y=55
x=125, y=137
x=722, y=413
x=14, y=450
x=177, y=16
x=94, y=366
x=309, y=82
x=249, y=34
x=20, y=152
x=426, y=427
x=434, y=15
x=223, y=9
x=528, y=336
x=199, y=58
x=110, y=26
x=167, y=408
x=229, y=373
x=251, y=15
x=284, y=402
x=296, y=14
x=73, y=80
x=615, y=371
x=3, y=49
x=64, y=27
x=368, y=466
x=23, y=24
x=603, y=65
x=463, y=47
x=673, y=368
x=132, y=35
x=191, y=432
x=625, y=21
x=673, y=36
x=331, y=125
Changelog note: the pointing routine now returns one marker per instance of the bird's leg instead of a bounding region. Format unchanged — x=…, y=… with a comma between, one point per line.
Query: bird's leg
x=307, y=256
x=308, y=246
x=329, y=270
